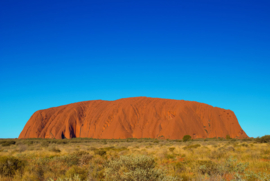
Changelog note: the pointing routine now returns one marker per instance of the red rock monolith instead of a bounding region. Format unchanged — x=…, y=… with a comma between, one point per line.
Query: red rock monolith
x=138, y=117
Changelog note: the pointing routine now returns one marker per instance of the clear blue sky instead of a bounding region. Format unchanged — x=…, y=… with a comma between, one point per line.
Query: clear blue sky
x=58, y=52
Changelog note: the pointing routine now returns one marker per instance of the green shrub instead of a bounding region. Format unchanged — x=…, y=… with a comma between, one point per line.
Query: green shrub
x=207, y=167
x=92, y=148
x=54, y=149
x=228, y=137
x=247, y=139
x=29, y=142
x=108, y=148
x=75, y=170
x=180, y=167
x=185, y=177
x=186, y=138
x=100, y=152
x=233, y=166
x=230, y=148
x=22, y=148
x=121, y=149
x=45, y=143
x=85, y=159
x=38, y=172
x=69, y=160
x=170, y=156
x=9, y=166
x=131, y=168
x=220, y=139
x=75, y=178
x=80, y=153
x=265, y=151
x=192, y=146
x=217, y=154
x=172, y=149
x=8, y=143
x=264, y=139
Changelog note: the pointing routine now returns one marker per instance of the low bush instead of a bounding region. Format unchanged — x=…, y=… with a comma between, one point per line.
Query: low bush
x=45, y=143
x=185, y=177
x=217, y=154
x=85, y=159
x=9, y=166
x=170, y=156
x=108, y=148
x=38, y=172
x=133, y=169
x=233, y=166
x=79, y=171
x=68, y=160
x=30, y=142
x=186, y=138
x=180, y=167
x=7, y=143
x=244, y=145
x=230, y=148
x=192, y=146
x=264, y=139
x=207, y=167
x=265, y=151
x=75, y=178
x=80, y=153
x=22, y=148
x=54, y=149
x=92, y=149
x=100, y=152
x=247, y=139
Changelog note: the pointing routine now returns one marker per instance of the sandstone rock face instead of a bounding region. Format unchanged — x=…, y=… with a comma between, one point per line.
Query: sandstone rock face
x=139, y=117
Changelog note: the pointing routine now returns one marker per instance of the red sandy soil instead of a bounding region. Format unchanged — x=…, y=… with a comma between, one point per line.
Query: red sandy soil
x=138, y=117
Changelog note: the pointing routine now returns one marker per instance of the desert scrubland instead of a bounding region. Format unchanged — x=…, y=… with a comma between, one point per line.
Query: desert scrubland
x=89, y=159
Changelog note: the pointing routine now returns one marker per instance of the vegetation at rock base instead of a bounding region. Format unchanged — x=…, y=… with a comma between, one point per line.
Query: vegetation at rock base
x=228, y=137
x=86, y=159
x=186, y=138
x=264, y=139
x=7, y=143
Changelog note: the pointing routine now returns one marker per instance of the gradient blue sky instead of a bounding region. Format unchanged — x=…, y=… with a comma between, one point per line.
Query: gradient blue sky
x=58, y=52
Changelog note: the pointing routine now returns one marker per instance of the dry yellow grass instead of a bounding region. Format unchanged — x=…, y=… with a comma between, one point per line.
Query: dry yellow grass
x=183, y=160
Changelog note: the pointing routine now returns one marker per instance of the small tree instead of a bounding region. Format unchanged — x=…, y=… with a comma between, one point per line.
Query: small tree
x=264, y=139
x=186, y=138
